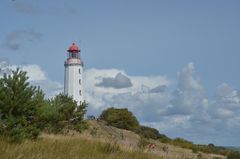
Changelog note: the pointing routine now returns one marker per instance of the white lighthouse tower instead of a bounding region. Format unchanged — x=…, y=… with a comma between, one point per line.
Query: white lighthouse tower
x=73, y=78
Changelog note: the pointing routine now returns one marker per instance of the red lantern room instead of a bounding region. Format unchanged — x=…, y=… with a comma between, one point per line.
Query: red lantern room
x=73, y=51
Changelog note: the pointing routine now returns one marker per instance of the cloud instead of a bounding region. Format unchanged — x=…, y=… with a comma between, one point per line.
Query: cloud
x=189, y=95
x=49, y=87
x=4, y=67
x=188, y=80
x=223, y=113
x=34, y=72
x=24, y=7
x=119, y=81
x=37, y=77
x=226, y=103
x=28, y=7
x=158, y=89
x=228, y=95
x=146, y=97
x=15, y=40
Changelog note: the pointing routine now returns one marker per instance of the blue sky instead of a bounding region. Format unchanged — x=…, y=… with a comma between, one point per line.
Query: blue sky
x=185, y=45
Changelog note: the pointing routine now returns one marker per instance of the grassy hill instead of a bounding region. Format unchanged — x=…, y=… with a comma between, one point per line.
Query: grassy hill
x=99, y=141
x=128, y=140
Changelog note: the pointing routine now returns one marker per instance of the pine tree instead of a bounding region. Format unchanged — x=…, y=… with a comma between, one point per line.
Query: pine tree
x=62, y=113
x=19, y=102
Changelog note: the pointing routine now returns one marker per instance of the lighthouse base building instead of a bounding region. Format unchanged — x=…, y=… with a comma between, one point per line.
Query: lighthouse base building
x=73, y=77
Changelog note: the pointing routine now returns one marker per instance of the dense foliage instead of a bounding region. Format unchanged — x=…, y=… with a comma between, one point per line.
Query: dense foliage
x=62, y=112
x=148, y=132
x=120, y=118
x=124, y=119
x=19, y=103
x=24, y=112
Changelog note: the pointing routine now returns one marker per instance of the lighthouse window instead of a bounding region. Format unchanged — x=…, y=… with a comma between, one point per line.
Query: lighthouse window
x=80, y=81
x=75, y=55
x=79, y=71
x=80, y=92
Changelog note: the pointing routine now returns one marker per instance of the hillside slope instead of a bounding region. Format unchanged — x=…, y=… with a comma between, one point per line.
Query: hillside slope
x=129, y=141
x=98, y=142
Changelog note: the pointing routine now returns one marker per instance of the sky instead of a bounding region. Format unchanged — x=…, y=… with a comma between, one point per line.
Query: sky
x=174, y=64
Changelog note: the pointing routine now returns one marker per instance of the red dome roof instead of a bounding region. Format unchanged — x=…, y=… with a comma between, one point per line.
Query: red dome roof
x=73, y=48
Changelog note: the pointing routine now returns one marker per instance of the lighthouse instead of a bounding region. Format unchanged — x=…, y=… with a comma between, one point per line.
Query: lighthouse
x=73, y=76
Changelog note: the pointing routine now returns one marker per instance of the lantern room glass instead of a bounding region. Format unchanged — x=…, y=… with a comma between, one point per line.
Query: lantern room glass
x=73, y=55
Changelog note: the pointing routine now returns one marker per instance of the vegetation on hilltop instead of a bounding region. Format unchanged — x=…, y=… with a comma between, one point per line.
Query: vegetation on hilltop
x=124, y=119
x=121, y=118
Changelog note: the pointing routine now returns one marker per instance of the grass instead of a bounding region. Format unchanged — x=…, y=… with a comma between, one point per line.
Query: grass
x=67, y=147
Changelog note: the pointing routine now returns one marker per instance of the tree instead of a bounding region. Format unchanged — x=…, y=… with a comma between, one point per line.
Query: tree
x=24, y=112
x=65, y=106
x=18, y=106
x=63, y=112
x=77, y=120
x=120, y=118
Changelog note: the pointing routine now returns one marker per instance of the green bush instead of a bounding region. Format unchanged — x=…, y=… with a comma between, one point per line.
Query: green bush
x=165, y=139
x=80, y=126
x=17, y=134
x=120, y=118
x=184, y=143
x=148, y=132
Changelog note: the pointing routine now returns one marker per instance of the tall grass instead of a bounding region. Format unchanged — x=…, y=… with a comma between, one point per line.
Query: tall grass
x=67, y=148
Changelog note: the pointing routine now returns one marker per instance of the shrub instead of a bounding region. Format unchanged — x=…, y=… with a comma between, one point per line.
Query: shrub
x=80, y=126
x=120, y=118
x=165, y=139
x=183, y=143
x=148, y=132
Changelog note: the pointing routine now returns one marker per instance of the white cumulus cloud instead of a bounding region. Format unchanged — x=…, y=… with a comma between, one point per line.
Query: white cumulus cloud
x=37, y=77
x=135, y=97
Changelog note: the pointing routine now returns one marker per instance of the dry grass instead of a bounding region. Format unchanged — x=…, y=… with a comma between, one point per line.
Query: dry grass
x=67, y=147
